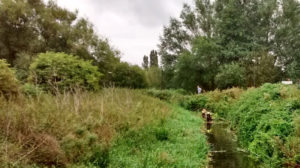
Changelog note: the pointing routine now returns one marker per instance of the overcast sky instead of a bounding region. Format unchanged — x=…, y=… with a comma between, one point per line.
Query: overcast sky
x=132, y=26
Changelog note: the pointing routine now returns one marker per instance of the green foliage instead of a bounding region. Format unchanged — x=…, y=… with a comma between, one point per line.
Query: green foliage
x=230, y=75
x=129, y=76
x=162, y=95
x=263, y=36
x=59, y=72
x=31, y=90
x=220, y=101
x=263, y=70
x=216, y=101
x=294, y=70
x=262, y=115
x=195, y=103
x=31, y=27
x=200, y=65
x=172, y=96
x=9, y=85
x=145, y=62
x=266, y=119
x=153, y=59
x=76, y=129
x=154, y=77
x=176, y=143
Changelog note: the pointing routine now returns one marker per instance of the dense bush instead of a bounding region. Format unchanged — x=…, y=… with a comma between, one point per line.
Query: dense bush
x=216, y=101
x=8, y=83
x=31, y=90
x=129, y=76
x=230, y=75
x=195, y=103
x=263, y=117
x=221, y=101
x=59, y=72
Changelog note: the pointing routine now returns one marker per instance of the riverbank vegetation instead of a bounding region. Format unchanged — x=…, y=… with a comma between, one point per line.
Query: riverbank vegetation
x=72, y=128
x=175, y=142
x=110, y=128
x=265, y=119
x=63, y=100
x=57, y=122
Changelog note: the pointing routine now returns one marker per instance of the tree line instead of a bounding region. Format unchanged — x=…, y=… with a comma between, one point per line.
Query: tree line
x=31, y=27
x=215, y=44
x=226, y=43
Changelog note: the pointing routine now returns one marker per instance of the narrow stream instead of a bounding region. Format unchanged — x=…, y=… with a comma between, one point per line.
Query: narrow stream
x=225, y=150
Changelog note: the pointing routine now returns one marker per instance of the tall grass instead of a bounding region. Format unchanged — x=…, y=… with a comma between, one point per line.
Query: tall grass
x=71, y=129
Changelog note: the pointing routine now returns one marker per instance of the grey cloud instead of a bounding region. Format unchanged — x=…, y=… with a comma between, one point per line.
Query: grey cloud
x=149, y=13
x=133, y=26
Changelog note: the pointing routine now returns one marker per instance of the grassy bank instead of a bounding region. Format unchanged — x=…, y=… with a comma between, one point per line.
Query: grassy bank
x=266, y=119
x=87, y=130
x=69, y=129
x=176, y=142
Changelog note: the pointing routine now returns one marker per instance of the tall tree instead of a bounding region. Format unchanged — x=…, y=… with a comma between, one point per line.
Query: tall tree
x=240, y=29
x=201, y=65
x=145, y=62
x=153, y=59
x=18, y=29
x=28, y=27
x=287, y=38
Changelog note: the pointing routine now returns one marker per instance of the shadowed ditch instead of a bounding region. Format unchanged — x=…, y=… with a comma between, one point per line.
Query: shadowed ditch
x=225, y=152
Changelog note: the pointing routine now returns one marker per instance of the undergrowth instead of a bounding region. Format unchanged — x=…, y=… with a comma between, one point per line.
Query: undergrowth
x=266, y=119
x=71, y=130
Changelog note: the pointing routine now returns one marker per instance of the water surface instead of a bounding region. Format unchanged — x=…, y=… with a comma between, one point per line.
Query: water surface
x=225, y=149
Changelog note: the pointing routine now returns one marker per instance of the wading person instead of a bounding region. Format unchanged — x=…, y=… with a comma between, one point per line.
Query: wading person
x=204, y=113
x=208, y=121
x=199, y=89
x=208, y=117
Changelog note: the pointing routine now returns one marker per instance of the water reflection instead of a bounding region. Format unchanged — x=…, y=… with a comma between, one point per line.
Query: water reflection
x=225, y=153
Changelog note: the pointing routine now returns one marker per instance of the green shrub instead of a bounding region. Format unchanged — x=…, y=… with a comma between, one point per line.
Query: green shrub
x=59, y=72
x=264, y=116
x=195, y=103
x=9, y=85
x=31, y=90
x=129, y=76
x=231, y=75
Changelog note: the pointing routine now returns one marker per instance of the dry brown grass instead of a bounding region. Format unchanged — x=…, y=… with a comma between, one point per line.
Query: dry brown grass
x=32, y=129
